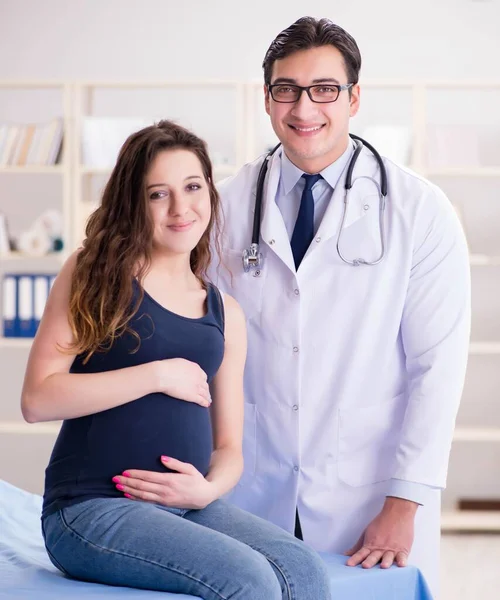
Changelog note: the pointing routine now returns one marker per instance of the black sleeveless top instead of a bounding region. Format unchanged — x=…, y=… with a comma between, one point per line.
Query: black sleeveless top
x=90, y=450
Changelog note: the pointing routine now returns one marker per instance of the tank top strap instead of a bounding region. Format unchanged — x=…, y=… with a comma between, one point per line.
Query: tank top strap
x=215, y=305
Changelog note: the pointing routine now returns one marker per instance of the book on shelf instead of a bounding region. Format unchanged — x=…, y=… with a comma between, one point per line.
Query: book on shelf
x=31, y=144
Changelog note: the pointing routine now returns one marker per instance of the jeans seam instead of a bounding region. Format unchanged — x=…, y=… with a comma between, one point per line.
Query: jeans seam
x=290, y=596
x=283, y=574
x=56, y=563
x=175, y=570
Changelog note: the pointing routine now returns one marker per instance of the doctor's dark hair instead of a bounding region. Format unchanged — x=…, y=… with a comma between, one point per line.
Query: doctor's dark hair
x=119, y=240
x=307, y=33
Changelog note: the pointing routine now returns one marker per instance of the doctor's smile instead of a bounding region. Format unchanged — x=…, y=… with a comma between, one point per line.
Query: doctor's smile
x=306, y=132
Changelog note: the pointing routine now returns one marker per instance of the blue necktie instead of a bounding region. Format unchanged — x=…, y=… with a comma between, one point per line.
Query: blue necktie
x=303, y=232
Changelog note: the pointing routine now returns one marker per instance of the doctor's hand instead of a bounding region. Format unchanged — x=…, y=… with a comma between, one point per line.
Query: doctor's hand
x=187, y=488
x=388, y=538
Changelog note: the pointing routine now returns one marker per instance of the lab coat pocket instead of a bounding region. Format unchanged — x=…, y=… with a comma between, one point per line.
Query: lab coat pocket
x=368, y=441
x=249, y=441
x=246, y=288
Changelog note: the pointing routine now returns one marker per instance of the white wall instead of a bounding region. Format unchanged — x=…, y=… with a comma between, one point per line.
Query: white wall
x=127, y=39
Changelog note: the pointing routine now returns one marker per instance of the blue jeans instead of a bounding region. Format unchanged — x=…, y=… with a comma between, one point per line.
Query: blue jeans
x=217, y=553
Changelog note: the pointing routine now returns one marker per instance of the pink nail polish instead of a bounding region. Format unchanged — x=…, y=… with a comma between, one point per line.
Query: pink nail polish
x=116, y=479
x=126, y=474
x=165, y=458
x=120, y=487
x=127, y=495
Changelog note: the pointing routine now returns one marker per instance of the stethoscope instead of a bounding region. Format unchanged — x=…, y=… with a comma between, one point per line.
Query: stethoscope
x=252, y=257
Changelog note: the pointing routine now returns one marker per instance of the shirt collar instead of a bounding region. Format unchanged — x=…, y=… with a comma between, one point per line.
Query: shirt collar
x=290, y=174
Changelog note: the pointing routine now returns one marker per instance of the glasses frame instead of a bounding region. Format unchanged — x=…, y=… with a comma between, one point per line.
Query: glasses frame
x=307, y=89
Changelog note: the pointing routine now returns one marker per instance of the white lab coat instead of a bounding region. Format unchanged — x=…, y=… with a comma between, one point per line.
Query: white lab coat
x=353, y=374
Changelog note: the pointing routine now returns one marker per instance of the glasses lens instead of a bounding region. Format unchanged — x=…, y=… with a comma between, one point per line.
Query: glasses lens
x=285, y=93
x=324, y=93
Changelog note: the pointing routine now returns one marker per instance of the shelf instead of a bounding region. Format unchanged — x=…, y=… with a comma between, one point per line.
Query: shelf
x=18, y=84
x=34, y=169
x=476, y=434
x=484, y=260
x=429, y=172
x=19, y=427
x=484, y=348
x=218, y=170
x=470, y=520
x=463, y=172
x=58, y=256
x=6, y=342
x=161, y=83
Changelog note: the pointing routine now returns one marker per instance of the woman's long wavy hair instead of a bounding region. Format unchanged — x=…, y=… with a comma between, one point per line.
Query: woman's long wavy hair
x=119, y=240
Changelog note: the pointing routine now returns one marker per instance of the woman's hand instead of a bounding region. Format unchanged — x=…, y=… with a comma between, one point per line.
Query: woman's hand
x=187, y=488
x=183, y=379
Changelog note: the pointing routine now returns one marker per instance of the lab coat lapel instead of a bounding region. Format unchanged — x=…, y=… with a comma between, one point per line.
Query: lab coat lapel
x=332, y=218
x=273, y=230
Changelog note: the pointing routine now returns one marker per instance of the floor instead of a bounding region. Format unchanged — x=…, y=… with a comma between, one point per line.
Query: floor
x=480, y=578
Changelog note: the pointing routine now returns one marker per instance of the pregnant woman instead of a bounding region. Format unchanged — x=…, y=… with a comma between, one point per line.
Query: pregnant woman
x=142, y=359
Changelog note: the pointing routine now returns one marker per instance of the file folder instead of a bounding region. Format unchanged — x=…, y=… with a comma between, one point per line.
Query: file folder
x=40, y=295
x=25, y=306
x=9, y=304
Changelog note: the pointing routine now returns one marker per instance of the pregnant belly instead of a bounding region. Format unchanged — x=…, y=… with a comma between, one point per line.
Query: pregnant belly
x=137, y=434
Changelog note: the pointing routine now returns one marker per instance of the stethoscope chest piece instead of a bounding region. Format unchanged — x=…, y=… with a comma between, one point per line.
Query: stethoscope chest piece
x=252, y=258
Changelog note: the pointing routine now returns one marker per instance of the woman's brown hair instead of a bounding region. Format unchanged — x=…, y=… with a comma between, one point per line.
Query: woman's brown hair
x=118, y=242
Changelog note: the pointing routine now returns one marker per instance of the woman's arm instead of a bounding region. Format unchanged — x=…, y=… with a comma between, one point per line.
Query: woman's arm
x=226, y=464
x=50, y=392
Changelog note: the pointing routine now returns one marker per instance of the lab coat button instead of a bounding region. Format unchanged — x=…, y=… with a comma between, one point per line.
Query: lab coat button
x=295, y=468
x=257, y=273
x=296, y=292
x=295, y=349
x=295, y=407
x=271, y=242
x=318, y=239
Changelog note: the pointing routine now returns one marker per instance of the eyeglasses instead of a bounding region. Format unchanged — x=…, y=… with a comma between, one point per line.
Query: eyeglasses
x=322, y=93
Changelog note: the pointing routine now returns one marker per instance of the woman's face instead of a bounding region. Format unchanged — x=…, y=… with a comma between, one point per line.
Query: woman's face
x=179, y=200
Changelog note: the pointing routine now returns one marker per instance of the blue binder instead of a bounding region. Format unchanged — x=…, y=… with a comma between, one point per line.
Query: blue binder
x=9, y=306
x=24, y=299
x=25, y=305
x=41, y=286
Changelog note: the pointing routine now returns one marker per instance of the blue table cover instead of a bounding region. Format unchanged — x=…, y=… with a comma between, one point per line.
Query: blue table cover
x=26, y=571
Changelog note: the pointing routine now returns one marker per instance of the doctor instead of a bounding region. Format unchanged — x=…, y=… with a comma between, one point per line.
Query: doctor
x=354, y=373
